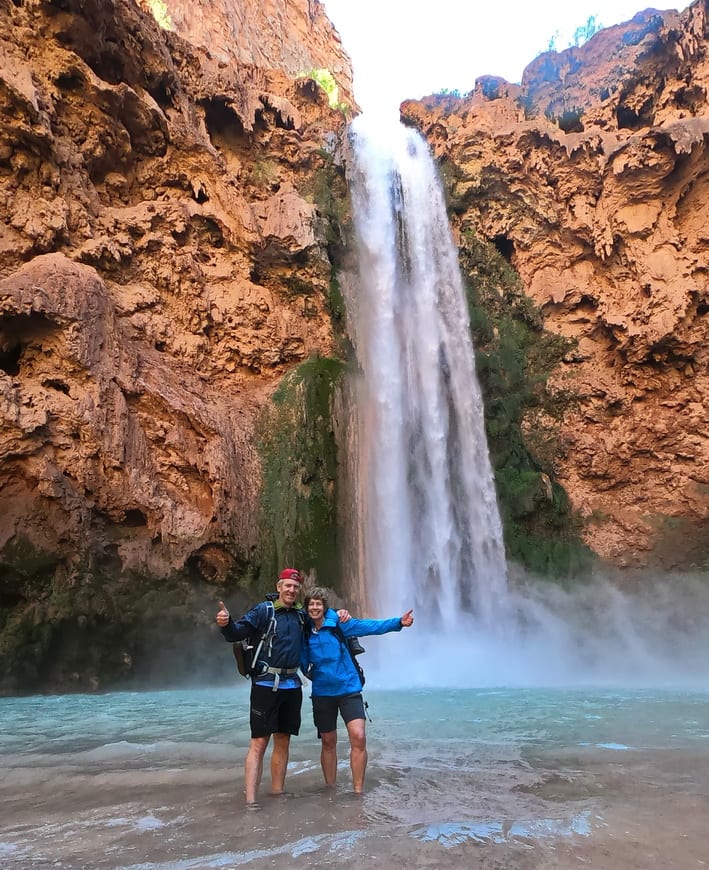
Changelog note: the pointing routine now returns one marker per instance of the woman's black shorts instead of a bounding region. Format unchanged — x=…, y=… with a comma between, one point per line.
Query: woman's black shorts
x=325, y=711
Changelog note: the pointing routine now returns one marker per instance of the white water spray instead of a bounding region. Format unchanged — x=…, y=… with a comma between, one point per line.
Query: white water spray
x=429, y=518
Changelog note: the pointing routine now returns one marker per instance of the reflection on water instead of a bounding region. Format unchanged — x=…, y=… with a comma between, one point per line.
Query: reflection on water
x=450, y=834
x=530, y=777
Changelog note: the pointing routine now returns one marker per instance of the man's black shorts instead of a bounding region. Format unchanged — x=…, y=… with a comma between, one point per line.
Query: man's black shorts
x=325, y=711
x=275, y=712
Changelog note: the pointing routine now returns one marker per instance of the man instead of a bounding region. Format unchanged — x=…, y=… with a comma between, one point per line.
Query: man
x=276, y=692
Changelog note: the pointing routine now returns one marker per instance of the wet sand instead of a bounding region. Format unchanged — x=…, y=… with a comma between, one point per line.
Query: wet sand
x=582, y=807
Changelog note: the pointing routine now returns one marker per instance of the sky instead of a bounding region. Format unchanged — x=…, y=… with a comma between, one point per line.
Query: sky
x=410, y=48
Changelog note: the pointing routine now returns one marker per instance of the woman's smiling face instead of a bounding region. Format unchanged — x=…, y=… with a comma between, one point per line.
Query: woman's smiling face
x=316, y=610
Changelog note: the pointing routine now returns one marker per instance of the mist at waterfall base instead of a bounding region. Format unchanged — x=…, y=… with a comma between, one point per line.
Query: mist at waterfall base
x=596, y=635
x=428, y=528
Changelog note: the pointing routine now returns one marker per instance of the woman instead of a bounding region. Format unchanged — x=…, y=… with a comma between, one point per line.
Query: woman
x=337, y=687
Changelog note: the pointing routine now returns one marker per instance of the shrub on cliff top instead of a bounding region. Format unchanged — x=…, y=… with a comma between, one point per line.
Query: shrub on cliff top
x=326, y=80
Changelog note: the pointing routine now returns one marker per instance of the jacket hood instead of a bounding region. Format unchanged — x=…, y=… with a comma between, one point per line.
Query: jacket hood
x=330, y=620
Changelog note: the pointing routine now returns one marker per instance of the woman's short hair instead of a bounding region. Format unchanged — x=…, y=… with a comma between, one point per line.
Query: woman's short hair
x=318, y=593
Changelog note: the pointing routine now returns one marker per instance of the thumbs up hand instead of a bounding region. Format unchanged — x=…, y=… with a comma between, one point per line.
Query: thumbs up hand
x=223, y=618
x=407, y=619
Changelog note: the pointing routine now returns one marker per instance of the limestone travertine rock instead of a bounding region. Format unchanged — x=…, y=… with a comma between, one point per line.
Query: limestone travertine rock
x=592, y=177
x=294, y=36
x=163, y=262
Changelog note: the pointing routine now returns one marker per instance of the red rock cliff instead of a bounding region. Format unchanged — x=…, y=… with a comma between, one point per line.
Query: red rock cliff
x=163, y=263
x=293, y=36
x=592, y=177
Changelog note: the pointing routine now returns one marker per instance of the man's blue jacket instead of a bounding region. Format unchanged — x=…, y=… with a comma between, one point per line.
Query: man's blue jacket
x=285, y=649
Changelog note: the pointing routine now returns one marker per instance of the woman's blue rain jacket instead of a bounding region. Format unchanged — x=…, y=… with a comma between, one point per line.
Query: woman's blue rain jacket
x=326, y=660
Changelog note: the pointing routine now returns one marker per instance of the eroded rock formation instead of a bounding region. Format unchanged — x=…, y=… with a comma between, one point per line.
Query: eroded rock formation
x=592, y=179
x=168, y=223
x=163, y=261
x=294, y=36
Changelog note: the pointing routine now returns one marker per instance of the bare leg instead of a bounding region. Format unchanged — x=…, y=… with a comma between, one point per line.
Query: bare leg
x=279, y=762
x=358, y=753
x=328, y=757
x=254, y=767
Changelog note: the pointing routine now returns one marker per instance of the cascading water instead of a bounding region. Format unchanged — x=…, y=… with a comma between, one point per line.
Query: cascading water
x=428, y=519
x=426, y=530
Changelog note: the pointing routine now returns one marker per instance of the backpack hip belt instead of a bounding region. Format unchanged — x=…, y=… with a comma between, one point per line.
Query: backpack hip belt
x=278, y=673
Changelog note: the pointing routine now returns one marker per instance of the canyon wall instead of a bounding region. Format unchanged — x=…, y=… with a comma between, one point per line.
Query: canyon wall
x=294, y=36
x=164, y=261
x=592, y=179
x=173, y=221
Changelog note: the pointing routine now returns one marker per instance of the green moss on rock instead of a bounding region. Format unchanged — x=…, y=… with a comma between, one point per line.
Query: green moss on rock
x=299, y=458
x=515, y=357
x=329, y=192
x=85, y=624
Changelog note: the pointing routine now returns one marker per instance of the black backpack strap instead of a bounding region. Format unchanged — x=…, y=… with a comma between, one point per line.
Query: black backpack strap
x=344, y=641
x=267, y=636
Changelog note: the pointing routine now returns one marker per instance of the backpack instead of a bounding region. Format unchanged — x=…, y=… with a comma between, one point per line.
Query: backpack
x=247, y=652
x=354, y=648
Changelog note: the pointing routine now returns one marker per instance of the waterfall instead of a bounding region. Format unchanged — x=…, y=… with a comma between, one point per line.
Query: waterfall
x=424, y=526
x=427, y=522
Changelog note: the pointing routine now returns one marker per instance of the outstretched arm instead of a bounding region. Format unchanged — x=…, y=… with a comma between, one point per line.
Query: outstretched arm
x=363, y=627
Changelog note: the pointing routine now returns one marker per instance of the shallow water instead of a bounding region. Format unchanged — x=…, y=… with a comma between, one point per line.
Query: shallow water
x=490, y=778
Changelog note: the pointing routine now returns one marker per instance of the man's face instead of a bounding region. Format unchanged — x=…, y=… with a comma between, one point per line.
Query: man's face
x=316, y=609
x=288, y=591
